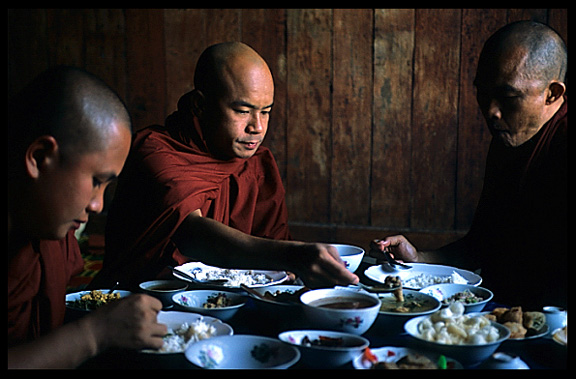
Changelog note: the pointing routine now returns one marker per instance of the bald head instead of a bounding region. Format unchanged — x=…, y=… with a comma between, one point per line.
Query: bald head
x=79, y=110
x=544, y=54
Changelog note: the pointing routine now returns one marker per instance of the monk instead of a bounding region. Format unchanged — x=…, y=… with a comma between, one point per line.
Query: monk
x=203, y=188
x=68, y=137
x=518, y=237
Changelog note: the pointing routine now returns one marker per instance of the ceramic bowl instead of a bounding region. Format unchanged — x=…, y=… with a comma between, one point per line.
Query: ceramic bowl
x=445, y=291
x=393, y=315
x=242, y=352
x=285, y=311
x=163, y=290
x=193, y=301
x=351, y=255
x=325, y=356
x=467, y=354
x=329, y=309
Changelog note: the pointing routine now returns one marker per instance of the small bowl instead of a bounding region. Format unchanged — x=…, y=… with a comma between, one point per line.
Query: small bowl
x=242, y=352
x=390, y=322
x=286, y=314
x=320, y=314
x=194, y=301
x=446, y=290
x=325, y=356
x=351, y=255
x=468, y=355
x=163, y=290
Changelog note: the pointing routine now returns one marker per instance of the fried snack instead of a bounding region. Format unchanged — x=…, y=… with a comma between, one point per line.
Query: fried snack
x=516, y=329
x=534, y=320
x=395, y=281
x=514, y=314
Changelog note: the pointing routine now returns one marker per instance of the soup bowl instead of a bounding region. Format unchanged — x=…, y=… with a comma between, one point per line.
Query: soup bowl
x=350, y=254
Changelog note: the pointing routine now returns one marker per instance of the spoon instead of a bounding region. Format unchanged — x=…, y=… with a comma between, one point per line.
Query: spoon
x=392, y=262
x=113, y=288
x=378, y=289
x=193, y=278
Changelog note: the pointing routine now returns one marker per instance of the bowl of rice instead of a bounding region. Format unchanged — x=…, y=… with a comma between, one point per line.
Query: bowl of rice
x=185, y=329
x=220, y=304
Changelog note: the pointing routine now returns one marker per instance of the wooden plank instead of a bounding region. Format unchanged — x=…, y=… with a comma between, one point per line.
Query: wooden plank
x=473, y=135
x=145, y=67
x=265, y=31
x=558, y=20
x=308, y=64
x=392, y=142
x=435, y=117
x=352, y=104
x=222, y=25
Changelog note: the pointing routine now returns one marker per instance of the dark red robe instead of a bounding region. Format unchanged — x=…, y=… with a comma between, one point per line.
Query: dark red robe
x=37, y=277
x=519, y=234
x=169, y=174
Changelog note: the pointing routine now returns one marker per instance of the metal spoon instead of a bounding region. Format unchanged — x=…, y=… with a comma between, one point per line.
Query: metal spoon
x=377, y=289
x=193, y=278
x=113, y=288
x=392, y=262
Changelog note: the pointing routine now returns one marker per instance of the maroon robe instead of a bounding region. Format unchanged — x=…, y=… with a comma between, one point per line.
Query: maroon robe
x=519, y=233
x=37, y=277
x=169, y=174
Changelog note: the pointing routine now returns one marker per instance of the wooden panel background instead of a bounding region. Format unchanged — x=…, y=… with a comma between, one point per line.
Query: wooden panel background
x=375, y=125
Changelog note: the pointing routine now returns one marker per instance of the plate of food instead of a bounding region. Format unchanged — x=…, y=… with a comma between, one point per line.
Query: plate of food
x=234, y=278
x=185, y=329
x=86, y=301
x=523, y=325
x=422, y=275
x=392, y=357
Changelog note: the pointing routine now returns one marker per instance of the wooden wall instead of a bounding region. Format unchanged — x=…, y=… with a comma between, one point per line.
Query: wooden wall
x=375, y=125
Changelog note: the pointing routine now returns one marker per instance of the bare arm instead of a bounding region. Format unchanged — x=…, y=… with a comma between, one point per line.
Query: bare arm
x=129, y=323
x=214, y=243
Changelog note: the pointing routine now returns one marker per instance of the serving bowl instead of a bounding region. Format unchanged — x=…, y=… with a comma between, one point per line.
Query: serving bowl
x=163, y=290
x=445, y=291
x=351, y=255
x=242, y=352
x=467, y=354
x=393, y=354
x=73, y=299
x=281, y=303
x=193, y=301
x=324, y=348
x=340, y=309
x=393, y=314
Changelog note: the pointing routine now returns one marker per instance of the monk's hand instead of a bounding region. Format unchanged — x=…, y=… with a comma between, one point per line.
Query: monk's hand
x=319, y=265
x=398, y=246
x=129, y=323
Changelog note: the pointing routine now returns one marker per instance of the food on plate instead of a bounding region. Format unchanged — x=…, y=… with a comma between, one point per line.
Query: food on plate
x=178, y=339
x=425, y=280
x=219, y=300
x=466, y=297
x=451, y=326
x=93, y=299
x=322, y=341
x=411, y=303
x=521, y=324
x=237, y=277
x=285, y=296
x=410, y=361
x=561, y=336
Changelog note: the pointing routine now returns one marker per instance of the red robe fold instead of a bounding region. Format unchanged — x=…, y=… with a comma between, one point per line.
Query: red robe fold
x=37, y=277
x=170, y=174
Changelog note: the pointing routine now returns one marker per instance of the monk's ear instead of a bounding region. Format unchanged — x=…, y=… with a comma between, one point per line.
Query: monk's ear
x=41, y=155
x=198, y=102
x=555, y=91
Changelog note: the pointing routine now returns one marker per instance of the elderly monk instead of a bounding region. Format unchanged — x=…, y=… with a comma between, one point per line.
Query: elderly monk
x=203, y=188
x=68, y=137
x=519, y=232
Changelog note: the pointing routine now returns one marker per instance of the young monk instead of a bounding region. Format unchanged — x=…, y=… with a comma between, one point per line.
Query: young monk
x=519, y=234
x=203, y=188
x=68, y=137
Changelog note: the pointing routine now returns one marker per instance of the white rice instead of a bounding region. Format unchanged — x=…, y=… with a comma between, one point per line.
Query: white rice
x=425, y=280
x=177, y=340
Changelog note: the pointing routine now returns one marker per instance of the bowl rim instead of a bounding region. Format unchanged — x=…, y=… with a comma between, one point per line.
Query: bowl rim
x=365, y=341
x=353, y=293
x=233, y=295
x=268, y=301
x=150, y=283
x=471, y=287
x=336, y=245
x=501, y=329
x=413, y=314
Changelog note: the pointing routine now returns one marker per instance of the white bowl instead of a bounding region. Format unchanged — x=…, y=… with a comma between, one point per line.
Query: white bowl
x=242, y=352
x=194, y=300
x=468, y=355
x=392, y=354
x=351, y=255
x=446, y=290
x=390, y=322
x=284, y=315
x=325, y=356
x=163, y=290
x=174, y=320
x=355, y=321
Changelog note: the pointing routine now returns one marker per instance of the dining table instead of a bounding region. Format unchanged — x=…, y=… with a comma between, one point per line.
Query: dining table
x=538, y=353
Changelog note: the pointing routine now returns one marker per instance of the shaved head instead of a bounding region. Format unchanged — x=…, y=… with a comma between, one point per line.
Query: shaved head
x=79, y=110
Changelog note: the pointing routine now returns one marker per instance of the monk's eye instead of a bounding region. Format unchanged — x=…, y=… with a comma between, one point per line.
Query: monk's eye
x=96, y=183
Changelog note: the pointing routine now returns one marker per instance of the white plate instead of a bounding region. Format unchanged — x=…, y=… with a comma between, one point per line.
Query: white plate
x=271, y=277
x=380, y=272
x=394, y=354
x=173, y=320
